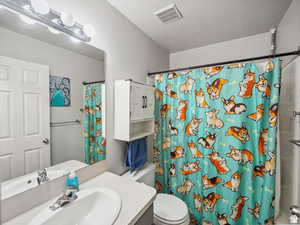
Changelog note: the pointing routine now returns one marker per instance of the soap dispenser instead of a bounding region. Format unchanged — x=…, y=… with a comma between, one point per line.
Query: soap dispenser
x=72, y=181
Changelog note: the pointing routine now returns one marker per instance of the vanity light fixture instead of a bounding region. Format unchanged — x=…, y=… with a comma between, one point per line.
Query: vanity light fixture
x=27, y=20
x=26, y=7
x=54, y=31
x=38, y=11
x=75, y=40
x=77, y=31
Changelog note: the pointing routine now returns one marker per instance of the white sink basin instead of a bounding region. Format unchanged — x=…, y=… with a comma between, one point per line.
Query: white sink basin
x=97, y=206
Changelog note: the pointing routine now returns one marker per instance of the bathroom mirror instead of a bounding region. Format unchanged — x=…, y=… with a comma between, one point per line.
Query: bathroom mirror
x=52, y=99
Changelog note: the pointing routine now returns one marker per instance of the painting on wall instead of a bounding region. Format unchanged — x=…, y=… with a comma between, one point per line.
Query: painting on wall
x=60, y=89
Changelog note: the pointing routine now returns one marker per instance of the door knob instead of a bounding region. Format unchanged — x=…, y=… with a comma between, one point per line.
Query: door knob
x=46, y=141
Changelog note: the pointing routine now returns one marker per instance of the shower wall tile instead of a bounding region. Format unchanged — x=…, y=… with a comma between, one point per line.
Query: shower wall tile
x=289, y=129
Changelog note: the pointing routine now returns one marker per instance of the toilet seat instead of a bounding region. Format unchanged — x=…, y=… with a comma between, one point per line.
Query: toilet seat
x=170, y=210
x=159, y=221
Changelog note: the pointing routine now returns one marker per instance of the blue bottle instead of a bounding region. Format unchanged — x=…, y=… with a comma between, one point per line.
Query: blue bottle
x=72, y=181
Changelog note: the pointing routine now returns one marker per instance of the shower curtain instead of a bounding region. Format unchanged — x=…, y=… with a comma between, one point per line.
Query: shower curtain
x=215, y=141
x=94, y=142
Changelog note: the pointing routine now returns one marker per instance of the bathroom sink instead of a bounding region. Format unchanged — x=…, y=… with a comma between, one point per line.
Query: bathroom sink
x=94, y=206
x=24, y=183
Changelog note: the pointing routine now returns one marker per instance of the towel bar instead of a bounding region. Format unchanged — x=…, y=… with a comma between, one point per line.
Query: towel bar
x=65, y=123
x=295, y=142
x=295, y=114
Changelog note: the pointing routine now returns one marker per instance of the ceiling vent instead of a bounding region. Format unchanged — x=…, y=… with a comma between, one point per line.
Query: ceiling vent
x=169, y=14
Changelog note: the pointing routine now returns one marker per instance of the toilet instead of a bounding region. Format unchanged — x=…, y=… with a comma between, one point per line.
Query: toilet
x=168, y=209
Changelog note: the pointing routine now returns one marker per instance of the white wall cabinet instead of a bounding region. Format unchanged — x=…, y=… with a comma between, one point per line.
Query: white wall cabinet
x=134, y=110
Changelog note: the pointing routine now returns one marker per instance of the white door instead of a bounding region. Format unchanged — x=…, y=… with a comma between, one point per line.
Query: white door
x=24, y=117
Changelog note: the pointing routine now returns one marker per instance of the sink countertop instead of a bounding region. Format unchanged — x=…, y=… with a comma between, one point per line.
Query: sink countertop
x=136, y=198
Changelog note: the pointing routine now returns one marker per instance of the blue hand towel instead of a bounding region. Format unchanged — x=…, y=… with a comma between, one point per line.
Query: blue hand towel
x=136, y=154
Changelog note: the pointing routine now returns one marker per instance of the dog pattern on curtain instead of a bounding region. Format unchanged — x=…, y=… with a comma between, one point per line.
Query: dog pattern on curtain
x=94, y=142
x=215, y=141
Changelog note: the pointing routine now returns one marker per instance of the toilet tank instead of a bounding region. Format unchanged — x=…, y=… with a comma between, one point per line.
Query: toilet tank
x=144, y=175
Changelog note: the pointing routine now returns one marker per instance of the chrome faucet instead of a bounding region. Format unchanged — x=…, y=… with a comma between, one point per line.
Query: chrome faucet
x=294, y=214
x=42, y=176
x=68, y=197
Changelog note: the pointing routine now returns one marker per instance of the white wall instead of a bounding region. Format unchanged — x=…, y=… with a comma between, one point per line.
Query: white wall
x=288, y=38
x=67, y=141
x=250, y=46
x=129, y=54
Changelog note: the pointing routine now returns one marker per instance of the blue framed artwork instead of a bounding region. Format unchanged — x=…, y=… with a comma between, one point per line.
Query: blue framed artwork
x=60, y=91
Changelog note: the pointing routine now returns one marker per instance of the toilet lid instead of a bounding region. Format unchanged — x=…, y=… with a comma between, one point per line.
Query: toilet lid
x=170, y=208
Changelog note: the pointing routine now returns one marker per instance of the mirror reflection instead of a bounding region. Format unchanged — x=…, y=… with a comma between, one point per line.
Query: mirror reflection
x=52, y=99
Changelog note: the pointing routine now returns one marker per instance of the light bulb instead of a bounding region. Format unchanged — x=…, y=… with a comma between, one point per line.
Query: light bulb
x=26, y=7
x=27, y=20
x=89, y=30
x=40, y=6
x=52, y=30
x=67, y=19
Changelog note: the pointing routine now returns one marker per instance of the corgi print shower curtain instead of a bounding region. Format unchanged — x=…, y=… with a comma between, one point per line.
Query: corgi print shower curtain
x=215, y=141
x=94, y=142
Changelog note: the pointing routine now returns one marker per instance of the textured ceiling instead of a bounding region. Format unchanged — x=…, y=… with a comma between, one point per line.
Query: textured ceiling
x=204, y=21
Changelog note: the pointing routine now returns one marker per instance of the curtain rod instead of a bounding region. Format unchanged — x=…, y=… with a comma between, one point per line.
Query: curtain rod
x=230, y=62
x=93, y=82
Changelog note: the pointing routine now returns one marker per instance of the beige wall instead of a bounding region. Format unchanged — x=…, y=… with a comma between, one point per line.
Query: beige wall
x=246, y=47
x=288, y=38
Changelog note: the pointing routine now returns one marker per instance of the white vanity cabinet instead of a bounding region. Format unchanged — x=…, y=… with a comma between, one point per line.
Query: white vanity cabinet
x=134, y=110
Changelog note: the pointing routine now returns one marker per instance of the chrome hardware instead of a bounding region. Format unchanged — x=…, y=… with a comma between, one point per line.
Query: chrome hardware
x=146, y=104
x=294, y=214
x=46, y=141
x=295, y=114
x=295, y=210
x=42, y=176
x=66, y=123
x=67, y=198
x=295, y=142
